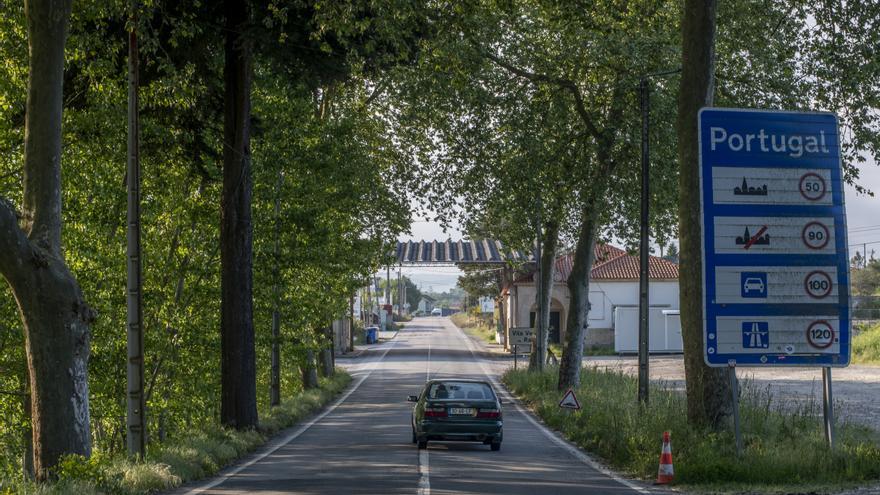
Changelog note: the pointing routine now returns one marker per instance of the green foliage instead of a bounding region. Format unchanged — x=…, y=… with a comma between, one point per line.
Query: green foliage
x=475, y=326
x=783, y=443
x=866, y=346
x=193, y=456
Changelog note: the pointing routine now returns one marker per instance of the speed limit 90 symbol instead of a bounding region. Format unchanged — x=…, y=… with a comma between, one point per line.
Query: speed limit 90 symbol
x=812, y=186
x=815, y=235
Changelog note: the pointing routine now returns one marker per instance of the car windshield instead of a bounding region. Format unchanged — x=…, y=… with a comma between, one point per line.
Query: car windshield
x=460, y=390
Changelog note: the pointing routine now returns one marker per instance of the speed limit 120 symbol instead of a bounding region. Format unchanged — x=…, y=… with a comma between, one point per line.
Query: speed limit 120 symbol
x=812, y=186
x=820, y=334
x=818, y=284
x=815, y=235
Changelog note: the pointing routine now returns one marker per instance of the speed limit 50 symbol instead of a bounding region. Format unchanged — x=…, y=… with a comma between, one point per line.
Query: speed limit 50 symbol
x=812, y=186
x=818, y=284
x=820, y=334
x=815, y=235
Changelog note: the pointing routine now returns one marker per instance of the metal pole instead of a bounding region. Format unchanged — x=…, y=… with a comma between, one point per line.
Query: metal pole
x=275, y=388
x=514, y=356
x=828, y=406
x=734, y=388
x=643, y=248
x=135, y=438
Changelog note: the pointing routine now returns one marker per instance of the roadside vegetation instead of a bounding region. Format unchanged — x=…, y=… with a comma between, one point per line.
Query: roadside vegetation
x=783, y=451
x=475, y=326
x=866, y=346
x=200, y=454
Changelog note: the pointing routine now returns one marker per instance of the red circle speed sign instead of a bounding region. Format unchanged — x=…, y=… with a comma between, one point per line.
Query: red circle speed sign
x=815, y=235
x=818, y=284
x=812, y=186
x=820, y=334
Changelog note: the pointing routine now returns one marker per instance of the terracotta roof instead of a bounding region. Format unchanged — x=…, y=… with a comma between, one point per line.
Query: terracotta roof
x=626, y=267
x=611, y=263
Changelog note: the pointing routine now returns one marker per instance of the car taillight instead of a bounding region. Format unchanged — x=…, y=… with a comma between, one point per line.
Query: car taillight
x=489, y=413
x=435, y=412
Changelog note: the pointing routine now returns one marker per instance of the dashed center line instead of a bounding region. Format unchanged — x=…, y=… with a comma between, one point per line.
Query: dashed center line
x=424, y=465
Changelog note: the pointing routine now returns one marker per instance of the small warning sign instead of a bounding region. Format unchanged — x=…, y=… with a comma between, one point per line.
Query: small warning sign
x=569, y=401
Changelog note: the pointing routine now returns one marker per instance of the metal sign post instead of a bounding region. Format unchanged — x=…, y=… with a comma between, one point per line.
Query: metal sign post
x=828, y=406
x=776, y=269
x=734, y=390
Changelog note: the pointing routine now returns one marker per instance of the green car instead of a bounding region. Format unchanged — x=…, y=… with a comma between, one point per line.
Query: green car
x=457, y=410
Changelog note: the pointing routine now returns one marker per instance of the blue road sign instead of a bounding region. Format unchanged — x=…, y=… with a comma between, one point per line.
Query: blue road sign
x=776, y=267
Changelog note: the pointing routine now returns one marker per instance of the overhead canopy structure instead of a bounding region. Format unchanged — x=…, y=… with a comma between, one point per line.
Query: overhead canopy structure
x=449, y=252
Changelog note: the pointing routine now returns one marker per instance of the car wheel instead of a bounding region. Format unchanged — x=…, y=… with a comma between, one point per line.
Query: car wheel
x=423, y=444
x=495, y=446
x=414, y=439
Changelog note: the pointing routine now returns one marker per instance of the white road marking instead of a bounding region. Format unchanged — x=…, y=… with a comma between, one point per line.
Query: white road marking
x=568, y=447
x=293, y=436
x=424, y=471
x=424, y=464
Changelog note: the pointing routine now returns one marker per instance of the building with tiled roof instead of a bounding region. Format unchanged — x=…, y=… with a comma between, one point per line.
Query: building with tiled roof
x=614, y=299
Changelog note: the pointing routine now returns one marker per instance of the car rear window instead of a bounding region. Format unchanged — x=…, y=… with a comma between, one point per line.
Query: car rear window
x=460, y=390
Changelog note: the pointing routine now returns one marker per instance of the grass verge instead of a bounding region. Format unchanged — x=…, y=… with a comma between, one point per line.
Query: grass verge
x=784, y=452
x=169, y=465
x=475, y=327
x=866, y=346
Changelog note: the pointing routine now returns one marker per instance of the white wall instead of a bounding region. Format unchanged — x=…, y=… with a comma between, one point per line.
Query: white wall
x=608, y=295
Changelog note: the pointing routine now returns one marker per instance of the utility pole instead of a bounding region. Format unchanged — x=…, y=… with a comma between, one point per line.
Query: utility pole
x=644, y=237
x=643, y=247
x=135, y=438
x=275, y=388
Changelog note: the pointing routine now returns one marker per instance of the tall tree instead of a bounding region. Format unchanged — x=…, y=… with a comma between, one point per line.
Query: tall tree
x=238, y=405
x=708, y=389
x=55, y=317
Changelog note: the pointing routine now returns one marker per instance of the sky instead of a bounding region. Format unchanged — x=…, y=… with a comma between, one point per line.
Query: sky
x=862, y=213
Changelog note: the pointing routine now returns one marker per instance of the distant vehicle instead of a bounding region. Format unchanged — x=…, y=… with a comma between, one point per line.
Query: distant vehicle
x=753, y=284
x=457, y=410
x=436, y=312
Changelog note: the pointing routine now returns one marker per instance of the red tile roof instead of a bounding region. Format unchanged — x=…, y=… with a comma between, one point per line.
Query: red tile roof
x=612, y=263
x=627, y=267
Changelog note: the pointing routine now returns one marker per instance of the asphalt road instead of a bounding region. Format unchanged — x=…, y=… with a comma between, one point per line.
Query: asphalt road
x=361, y=443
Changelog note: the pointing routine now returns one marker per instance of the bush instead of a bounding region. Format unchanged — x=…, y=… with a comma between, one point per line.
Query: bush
x=168, y=465
x=866, y=346
x=781, y=448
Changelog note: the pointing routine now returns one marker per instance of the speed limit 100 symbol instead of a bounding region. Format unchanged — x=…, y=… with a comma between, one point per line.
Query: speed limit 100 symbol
x=812, y=186
x=815, y=235
x=818, y=284
x=820, y=334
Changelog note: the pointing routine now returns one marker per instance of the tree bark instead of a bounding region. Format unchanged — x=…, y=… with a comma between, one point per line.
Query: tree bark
x=327, y=361
x=708, y=389
x=544, y=296
x=579, y=291
x=310, y=371
x=55, y=318
x=238, y=403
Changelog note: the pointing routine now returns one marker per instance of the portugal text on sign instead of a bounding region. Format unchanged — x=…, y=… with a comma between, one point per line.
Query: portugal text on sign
x=776, y=271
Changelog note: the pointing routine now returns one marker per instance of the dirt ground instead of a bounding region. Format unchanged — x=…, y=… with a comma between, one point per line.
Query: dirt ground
x=856, y=389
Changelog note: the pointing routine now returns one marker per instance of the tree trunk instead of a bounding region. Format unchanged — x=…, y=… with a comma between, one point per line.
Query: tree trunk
x=27, y=458
x=708, y=389
x=327, y=361
x=310, y=371
x=238, y=403
x=55, y=318
x=549, y=250
x=579, y=291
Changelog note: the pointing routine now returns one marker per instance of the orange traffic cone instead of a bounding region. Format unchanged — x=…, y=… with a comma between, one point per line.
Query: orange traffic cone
x=665, y=474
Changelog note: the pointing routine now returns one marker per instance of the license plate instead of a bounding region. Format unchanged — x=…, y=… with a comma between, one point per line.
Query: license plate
x=461, y=411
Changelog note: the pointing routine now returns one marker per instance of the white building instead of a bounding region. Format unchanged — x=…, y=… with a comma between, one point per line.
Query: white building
x=614, y=302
